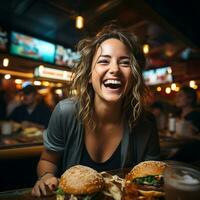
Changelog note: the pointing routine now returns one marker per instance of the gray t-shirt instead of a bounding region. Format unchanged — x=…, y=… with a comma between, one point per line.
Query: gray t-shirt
x=65, y=134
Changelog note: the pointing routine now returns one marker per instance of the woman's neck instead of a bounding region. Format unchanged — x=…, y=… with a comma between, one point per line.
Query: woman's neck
x=108, y=112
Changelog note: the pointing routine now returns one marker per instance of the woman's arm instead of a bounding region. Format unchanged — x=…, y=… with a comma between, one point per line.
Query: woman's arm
x=48, y=162
x=46, y=170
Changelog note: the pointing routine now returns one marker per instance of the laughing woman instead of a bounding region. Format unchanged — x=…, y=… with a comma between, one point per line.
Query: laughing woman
x=105, y=125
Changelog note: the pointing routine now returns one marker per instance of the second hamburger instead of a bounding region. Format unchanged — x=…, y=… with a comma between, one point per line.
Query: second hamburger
x=145, y=180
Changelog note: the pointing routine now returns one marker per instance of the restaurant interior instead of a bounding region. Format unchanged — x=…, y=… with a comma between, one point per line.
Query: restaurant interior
x=169, y=35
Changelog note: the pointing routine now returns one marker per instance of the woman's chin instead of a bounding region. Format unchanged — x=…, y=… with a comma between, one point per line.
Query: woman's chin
x=113, y=99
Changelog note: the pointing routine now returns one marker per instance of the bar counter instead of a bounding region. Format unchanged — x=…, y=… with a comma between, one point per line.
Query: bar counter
x=21, y=151
x=19, y=155
x=21, y=145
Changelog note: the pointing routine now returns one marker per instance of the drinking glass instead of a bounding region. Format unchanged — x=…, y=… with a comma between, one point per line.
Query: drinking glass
x=181, y=182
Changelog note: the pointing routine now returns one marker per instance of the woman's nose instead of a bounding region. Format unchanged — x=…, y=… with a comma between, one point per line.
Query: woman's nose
x=114, y=67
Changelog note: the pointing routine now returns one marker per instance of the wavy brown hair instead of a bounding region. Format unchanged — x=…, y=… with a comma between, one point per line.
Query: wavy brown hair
x=133, y=103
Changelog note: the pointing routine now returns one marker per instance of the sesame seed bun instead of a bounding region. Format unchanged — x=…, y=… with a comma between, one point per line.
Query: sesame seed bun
x=147, y=168
x=81, y=180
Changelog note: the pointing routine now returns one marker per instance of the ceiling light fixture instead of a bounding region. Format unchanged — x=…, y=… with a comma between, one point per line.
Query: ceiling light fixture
x=146, y=48
x=7, y=76
x=79, y=22
x=5, y=62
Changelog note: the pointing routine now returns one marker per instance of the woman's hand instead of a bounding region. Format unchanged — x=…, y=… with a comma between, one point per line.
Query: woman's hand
x=45, y=185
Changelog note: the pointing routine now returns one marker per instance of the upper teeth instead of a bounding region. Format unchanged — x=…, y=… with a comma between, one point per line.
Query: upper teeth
x=112, y=82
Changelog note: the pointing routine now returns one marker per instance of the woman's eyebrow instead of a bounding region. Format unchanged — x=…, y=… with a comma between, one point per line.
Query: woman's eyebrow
x=108, y=56
x=105, y=56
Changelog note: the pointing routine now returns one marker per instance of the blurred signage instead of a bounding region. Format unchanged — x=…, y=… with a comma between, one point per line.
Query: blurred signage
x=66, y=57
x=51, y=73
x=158, y=76
x=30, y=47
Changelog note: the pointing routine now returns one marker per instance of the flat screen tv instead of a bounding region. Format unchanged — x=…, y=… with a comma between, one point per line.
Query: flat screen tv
x=158, y=76
x=65, y=56
x=30, y=47
x=3, y=39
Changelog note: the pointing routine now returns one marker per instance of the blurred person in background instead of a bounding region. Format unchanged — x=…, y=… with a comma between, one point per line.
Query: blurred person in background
x=186, y=100
x=13, y=101
x=158, y=110
x=32, y=112
x=51, y=98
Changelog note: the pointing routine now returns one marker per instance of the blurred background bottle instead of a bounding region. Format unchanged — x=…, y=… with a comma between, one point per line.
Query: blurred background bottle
x=171, y=123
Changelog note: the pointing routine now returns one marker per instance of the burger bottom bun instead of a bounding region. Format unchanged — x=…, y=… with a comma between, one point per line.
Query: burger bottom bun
x=151, y=193
x=81, y=180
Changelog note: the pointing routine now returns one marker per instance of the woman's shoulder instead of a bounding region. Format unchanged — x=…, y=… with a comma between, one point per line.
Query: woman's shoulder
x=68, y=105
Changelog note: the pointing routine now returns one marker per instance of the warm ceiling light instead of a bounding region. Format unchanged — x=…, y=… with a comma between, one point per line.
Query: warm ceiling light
x=18, y=81
x=195, y=87
x=59, y=84
x=37, y=83
x=5, y=62
x=146, y=48
x=192, y=84
x=79, y=22
x=177, y=88
x=58, y=92
x=167, y=90
x=169, y=70
x=7, y=76
x=173, y=86
x=45, y=83
x=158, y=89
x=52, y=84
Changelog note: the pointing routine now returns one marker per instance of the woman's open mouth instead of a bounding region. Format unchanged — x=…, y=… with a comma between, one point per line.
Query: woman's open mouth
x=112, y=84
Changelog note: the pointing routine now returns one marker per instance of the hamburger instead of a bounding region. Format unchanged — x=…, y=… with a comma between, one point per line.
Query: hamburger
x=79, y=182
x=145, y=181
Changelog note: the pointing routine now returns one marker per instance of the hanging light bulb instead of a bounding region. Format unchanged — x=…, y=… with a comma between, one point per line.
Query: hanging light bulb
x=5, y=62
x=79, y=22
x=146, y=48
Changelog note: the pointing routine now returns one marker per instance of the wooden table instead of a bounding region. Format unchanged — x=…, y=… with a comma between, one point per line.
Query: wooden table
x=20, y=146
x=18, y=162
x=22, y=194
x=170, y=145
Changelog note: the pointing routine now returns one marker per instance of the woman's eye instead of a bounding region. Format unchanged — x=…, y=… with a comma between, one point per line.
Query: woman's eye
x=103, y=62
x=125, y=63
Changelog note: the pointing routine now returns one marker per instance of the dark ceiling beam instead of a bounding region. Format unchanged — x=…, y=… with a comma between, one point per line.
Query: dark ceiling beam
x=137, y=25
x=105, y=7
x=64, y=8
x=21, y=7
x=148, y=12
x=100, y=11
